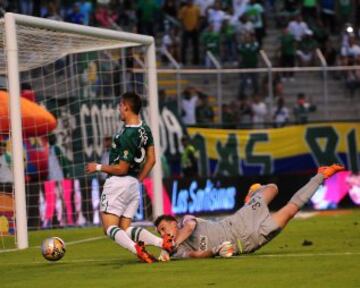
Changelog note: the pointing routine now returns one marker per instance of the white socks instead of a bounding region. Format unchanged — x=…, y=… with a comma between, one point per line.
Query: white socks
x=302, y=196
x=140, y=234
x=121, y=238
x=133, y=234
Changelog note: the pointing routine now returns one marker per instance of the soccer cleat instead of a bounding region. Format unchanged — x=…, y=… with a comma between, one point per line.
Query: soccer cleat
x=328, y=171
x=142, y=254
x=253, y=188
x=169, y=244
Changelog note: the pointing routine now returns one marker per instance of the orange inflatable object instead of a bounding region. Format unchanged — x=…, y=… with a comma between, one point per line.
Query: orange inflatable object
x=36, y=120
x=6, y=214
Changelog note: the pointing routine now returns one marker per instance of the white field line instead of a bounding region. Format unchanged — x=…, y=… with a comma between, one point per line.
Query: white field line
x=107, y=260
x=135, y=224
x=84, y=240
x=307, y=254
x=67, y=243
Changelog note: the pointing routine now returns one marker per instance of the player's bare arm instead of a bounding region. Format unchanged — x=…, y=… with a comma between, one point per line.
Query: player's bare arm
x=201, y=254
x=119, y=169
x=149, y=163
x=224, y=250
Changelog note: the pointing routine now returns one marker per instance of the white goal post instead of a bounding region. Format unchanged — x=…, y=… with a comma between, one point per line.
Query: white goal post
x=16, y=61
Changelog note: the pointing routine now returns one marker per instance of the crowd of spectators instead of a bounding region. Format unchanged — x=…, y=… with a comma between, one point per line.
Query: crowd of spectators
x=208, y=25
x=251, y=112
x=255, y=112
x=328, y=25
x=233, y=31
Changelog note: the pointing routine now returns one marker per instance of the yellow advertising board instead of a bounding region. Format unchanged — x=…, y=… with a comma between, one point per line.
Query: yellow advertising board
x=280, y=150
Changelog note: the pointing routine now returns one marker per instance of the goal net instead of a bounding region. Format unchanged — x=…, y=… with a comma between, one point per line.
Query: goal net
x=69, y=79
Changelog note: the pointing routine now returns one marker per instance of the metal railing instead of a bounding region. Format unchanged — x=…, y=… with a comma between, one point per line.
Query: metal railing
x=219, y=89
x=270, y=78
x=325, y=84
x=177, y=67
x=218, y=77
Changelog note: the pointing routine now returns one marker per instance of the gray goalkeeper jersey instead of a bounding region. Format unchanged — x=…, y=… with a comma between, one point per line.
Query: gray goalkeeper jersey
x=206, y=235
x=248, y=229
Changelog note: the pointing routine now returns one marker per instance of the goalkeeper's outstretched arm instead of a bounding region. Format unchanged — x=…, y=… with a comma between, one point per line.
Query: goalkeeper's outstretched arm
x=201, y=254
x=225, y=249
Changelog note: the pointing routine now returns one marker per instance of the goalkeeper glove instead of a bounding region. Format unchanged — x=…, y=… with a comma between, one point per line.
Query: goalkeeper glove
x=224, y=250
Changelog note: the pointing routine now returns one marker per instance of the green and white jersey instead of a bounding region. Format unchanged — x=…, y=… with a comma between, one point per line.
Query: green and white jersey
x=130, y=145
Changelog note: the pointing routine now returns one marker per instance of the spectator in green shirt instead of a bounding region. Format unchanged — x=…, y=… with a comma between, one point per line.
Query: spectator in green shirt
x=287, y=50
x=189, y=164
x=302, y=109
x=204, y=111
x=210, y=40
x=228, y=116
x=321, y=33
x=228, y=32
x=248, y=51
x=146, y=11
x=306, y=49
x=255, y=12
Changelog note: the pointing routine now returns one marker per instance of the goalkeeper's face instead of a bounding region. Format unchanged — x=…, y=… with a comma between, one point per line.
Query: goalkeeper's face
x=166, y=227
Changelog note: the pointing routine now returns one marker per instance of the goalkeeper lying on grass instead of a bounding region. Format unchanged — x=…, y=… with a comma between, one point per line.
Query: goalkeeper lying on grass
x=251, y=227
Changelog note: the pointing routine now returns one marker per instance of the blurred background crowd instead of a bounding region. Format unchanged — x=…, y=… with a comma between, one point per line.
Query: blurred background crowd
x=233, y=31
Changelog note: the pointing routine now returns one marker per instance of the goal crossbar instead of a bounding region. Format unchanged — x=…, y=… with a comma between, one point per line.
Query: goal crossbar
x=38, y=30
x=80, y=29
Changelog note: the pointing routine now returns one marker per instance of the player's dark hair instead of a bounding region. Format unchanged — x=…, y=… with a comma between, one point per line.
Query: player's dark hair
x=133, y=100
x=164, y=217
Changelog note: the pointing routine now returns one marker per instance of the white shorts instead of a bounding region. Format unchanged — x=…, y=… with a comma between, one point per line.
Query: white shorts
x=120, y=196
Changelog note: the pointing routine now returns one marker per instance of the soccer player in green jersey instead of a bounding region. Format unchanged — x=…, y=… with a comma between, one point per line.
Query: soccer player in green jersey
x=251, y=227
x=132, y=156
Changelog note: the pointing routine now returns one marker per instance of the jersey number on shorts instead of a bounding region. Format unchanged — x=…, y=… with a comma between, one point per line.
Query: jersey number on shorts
x=104, y=202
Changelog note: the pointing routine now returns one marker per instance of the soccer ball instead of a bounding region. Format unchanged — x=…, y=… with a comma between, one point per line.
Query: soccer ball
x=53, y=248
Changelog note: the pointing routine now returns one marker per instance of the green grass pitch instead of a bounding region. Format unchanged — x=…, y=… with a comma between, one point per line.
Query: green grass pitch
x=333, y=260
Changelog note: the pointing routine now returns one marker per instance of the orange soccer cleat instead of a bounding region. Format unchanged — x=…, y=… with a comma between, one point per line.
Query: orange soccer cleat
x=142, y=254
x=169, y=244
x=328, y=171
x=253, y=188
